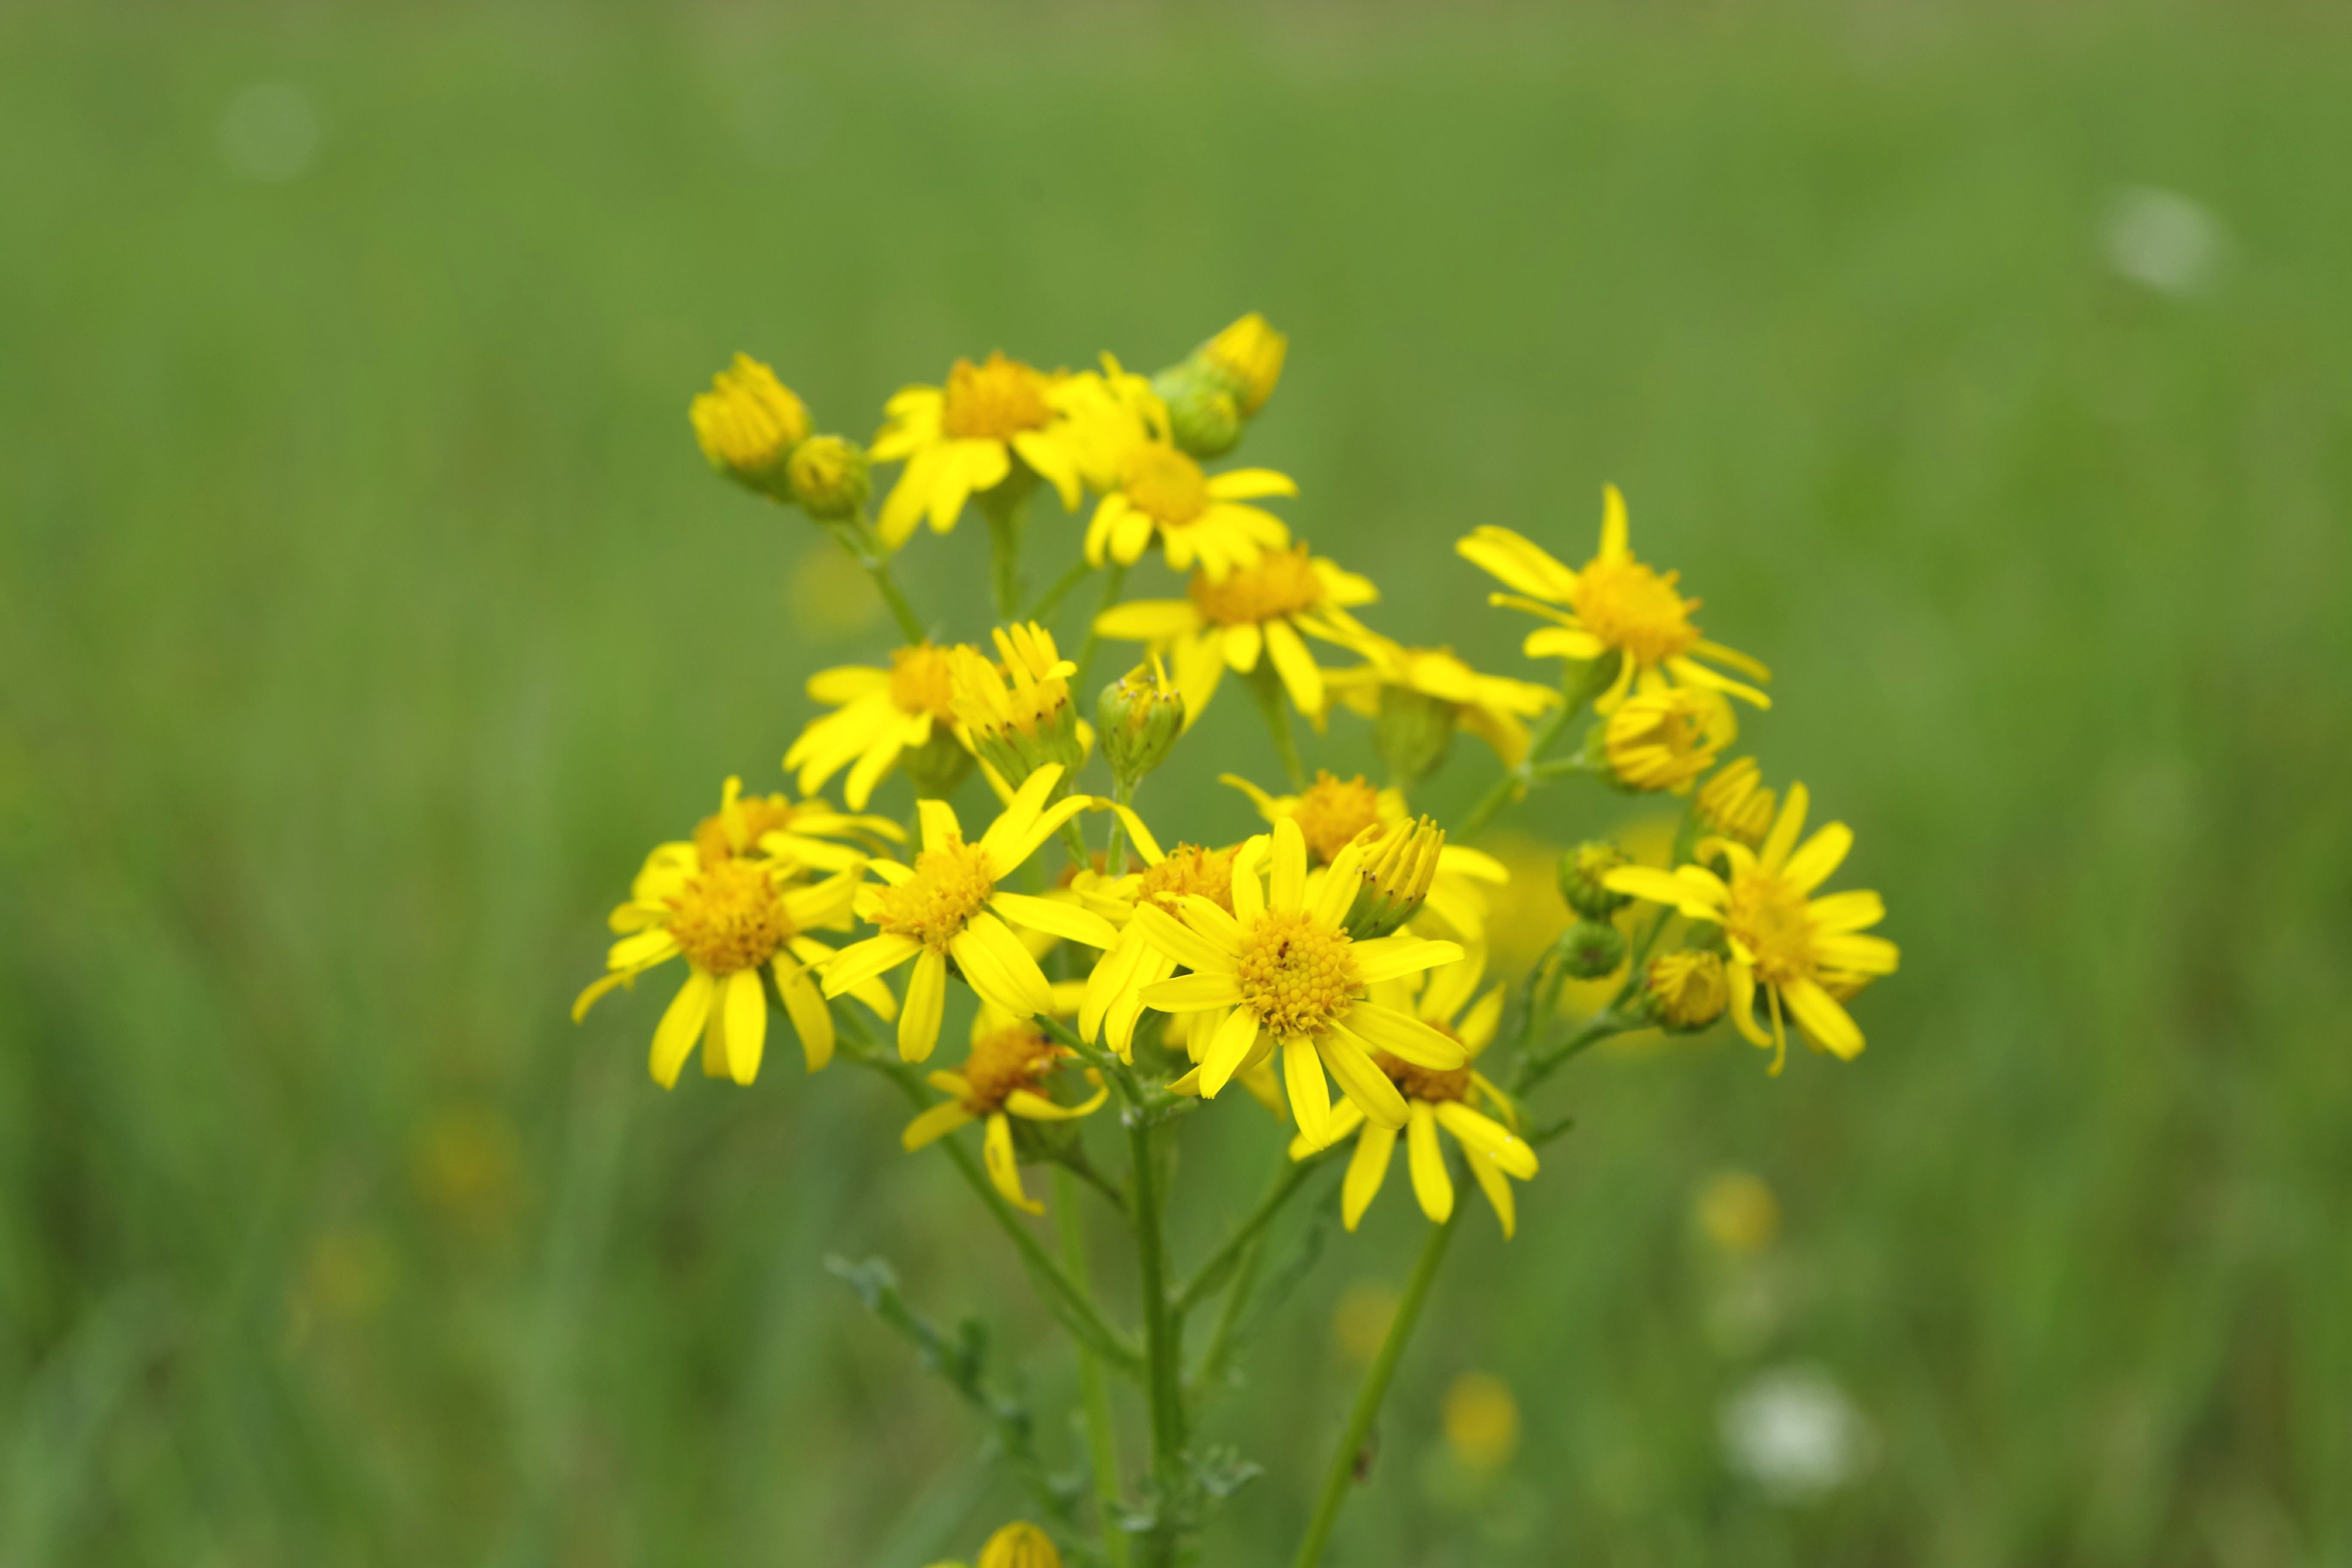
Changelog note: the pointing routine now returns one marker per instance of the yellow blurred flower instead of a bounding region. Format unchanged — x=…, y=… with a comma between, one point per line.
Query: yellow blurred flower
x=1020, y=1545
x=1492, y=706
x=1482, y=1421
x=1248, y=355
x=1663, y=737
x=964, y=439
x=880, y=716
x=1005, y=1076
x=1156, y=490
x=465, y=1163
x=1260, y=610
x=1362, y=1319
x=1739, y=1212
x=748, y=425
x=1616, y=604
x=1735, y=804
x=1689, y=988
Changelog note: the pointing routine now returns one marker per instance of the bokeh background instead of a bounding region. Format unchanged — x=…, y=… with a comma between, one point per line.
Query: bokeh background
x=367, y=611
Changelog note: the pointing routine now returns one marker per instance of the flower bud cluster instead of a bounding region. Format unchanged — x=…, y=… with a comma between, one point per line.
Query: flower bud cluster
x=755, y=431
x=1219, y=388
x=1139, y=718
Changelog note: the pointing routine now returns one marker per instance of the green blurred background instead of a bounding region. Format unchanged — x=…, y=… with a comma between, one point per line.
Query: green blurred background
x=367, y=611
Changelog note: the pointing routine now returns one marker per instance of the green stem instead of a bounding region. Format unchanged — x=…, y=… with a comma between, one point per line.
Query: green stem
x=1537, y=1066
x=1212, y=1365
x=1163, y=1332
x=1102, y=1440
x=1007, y=510
x=1267, y=684
x=1285, y=1185
x=1516, y=778
x=857, y=536
x=1342, y=1473
x=1051, y=599
x=1122, y=792
x=1114, y=579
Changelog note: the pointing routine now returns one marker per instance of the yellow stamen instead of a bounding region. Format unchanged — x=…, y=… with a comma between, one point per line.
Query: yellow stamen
x=1283, y=583
x=1016, y=1057
x=950, y=885
x=1331, y=811
x=1628, y=606
x=993, y=400
x=1296, y=975
x=1425, y=1083
x=1190, y=868
x=1163, y=484
x=1773, y=921
x=729, y=918
x=922, y=680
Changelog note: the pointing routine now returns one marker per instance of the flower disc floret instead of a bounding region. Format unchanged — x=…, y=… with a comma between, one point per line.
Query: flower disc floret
x=1283, y=583
x=730, y=917
x=922, y=680
x=1296, y=974
x=1190, y=868
x=992, y=400
x=1332, y=811
x=952, y=883
x=1164, y=484
x=1014, y=1058
x=1426, y=1083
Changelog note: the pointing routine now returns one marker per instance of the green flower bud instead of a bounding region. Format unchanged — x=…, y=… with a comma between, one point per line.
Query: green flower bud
x=1138, y=719
x=828, y=475
x=1413, y=732
x=1592, y=950
x=1394, y=876
x=1205, y=417
x=1582, y=871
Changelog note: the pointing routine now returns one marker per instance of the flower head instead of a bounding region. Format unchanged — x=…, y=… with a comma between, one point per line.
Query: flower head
x=994, y=422
x=1114, y=991
x=1333, y=812
x=1448, y=1097
x=1006, y=1075
x=748, y=423
x=829, y=476
x=1284, y=972
x=1027, y=723
x=1258, y=610
x=1155, y=488
x=1735, y=804
x=1688, y=989
x=948, y=905
x=1434, y=683
x=1616, y=605
x=1139, y=717
x=1801, y=949
x=737, y=899
x=1020, y=1545
x=1663, y=737
x=883, y=716
x=1249, y=357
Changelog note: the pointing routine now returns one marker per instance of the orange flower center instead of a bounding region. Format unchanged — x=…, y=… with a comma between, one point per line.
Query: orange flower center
x=1296, y=975
x=993, y=400
x=1017, y=1057
x=1424, y=1083
x=950, y=885
x=1331, y=812
x=1283, y=583
x=754, y=815
x=729, y=918
x=1163, y=484
x=922, y=680
x=1190, y=868
x=1775, y=923
x=1628, y=606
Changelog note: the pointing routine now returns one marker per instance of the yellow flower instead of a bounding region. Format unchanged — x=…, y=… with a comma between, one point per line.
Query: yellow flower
x=808, y=831
x=948, y=903
x=1152, y=487
x=730, y=913
x=1114, y=1000
x=1616, y=604
x=1333, y=812
x=1739, y=1212
x=1020, y=1545
x=1735, y=804
x=963, y=440
x=1482, y=1421
x=1004, y=1076
x=1261, y=610
x=1663, y=737
x=1284, y=973
x=879, y=714
x=1491, y=707
x=1021, y=727
x=1800, y=948
x=1248, y=356
x=1688, y=988
x=1446, y=1097
x=749, y=423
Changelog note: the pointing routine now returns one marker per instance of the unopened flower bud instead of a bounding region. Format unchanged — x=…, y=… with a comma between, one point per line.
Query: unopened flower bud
x=1139, y=718
x=1247, y=357
x=1591, y=950
x=1205, y=417
x=1394, y=875
x=1020, y=1545
x=1021, y=726
x=748, y=425
x=1686, y=991
x=1413, y=732
x=1581, y=873
x=828, y=475
x=1735, y=804
x=1664, y=738
x=936, y=766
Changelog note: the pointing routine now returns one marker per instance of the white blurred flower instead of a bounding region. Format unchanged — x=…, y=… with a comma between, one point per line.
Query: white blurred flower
x=269, y=132
x=2166, y=240
x=1795, y=1434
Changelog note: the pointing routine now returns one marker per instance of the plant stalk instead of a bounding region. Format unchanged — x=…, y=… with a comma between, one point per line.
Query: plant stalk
x=1114, y=579
x=1102, y=1439
x=1265, y=683
x=1163, y=1349
x=857, y=535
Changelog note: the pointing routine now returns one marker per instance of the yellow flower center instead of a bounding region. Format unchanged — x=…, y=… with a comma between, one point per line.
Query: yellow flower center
x=1283, y=583
x=993, y=400
x=1628, y=606
x=1296, y=975
x=1331, y=812
x=1773, y=921
x=1189, y=869
x=1017, y=1057
x=754, y=815
x=922, y=680
x=1163, y=484
x=1425, y=1083
x=950, y=885
x=729, y=918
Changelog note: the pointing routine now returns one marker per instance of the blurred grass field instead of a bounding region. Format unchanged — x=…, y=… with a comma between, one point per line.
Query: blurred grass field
x=367, y=613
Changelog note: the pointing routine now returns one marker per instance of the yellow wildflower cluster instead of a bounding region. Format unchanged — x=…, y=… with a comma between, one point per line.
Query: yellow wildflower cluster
x=1336, y=961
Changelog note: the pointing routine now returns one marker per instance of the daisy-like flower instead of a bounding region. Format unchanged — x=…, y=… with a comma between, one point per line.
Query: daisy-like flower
x=1284, y=972
x=1113, y=999
x=731, y=913
x=1493, y=708
x=1615, y=605
x=1664, y=736
x=809, y=832
x=880, y=715
x=749, y=424
x=1735, y=804
x=1448, y=1098
x=965, y=439
x=1155, y=488
x=1022, y=726
x=1333, y=813
x=1257, y=612
x=948, y=904
x=1802, y=950
x=1005, y=1076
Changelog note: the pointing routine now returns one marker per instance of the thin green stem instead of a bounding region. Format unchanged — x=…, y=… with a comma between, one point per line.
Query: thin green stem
x=1122, y=792
x=1283, y=1187
x=1094, y=1397
x=1114, y=579
x=1007, y=510
x=1265, y=684
x=1517, y=777
x=1537, y=1066
x=1163, y=1335
x=1218, y=1350
x=857, y=536
x=1341, y=1476
x=1051, y=599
